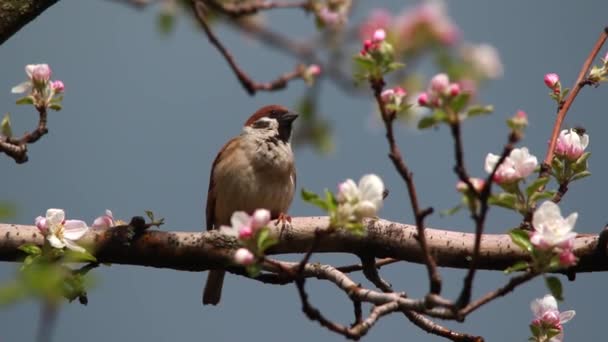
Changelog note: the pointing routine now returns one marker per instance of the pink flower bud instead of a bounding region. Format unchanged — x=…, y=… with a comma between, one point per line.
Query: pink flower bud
x=478, y=184
x=244, y=257
x=567, y=258
x=379, y=36
x=552, y=80
x=41, y=225
x=440, y=84
x=260, y=218
x=400, y=91
x=245, y=232
x=314, y=70
x=387, y=95
x=423, y=99
x=57, y=86
x=367, y=44
x=454, y=89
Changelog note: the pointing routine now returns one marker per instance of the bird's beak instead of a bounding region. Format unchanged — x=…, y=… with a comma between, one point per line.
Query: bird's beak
x=288, y=118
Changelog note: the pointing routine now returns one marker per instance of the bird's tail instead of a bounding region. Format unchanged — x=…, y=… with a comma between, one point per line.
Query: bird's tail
x=213, y=288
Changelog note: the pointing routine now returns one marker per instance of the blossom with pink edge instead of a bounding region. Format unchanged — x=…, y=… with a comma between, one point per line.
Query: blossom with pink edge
x=38, y=77
x=104, y=221
x=244, y=257
x=518, y=165
x=551, y=229
x=379, y=36
x=571, y=144
x=244, y=226
x=393, y=96
x=439, y=84
x=60, y=232
x=454, y=89
x=552, y=80
x=547, y=316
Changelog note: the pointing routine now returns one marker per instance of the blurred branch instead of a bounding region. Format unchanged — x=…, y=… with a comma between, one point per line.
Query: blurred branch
x=249, y=84
x=236, y=9
x=193, y=251
x=15, y=14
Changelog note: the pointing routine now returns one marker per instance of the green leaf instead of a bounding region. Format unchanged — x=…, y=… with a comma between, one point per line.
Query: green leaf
x=536, y=184
x=504, y=199
x=150, y=214
x=581, y=175
x=479, y=110
x=5, y=126
x=394, y=66
x=254, y=270
x=74, y=256
x=26, y=100
x=518, y=266
x=555, y=286
x=55, y=106
x=330, y=200
x=314, y=199
x=537, y=196
x=521, y=238
x=558, y=168
x=265, y=240
x=535, y=329
x=551, y=333
x=364, y=62
x=356, y=228
x=459, y=102
x=30, y=249
x=451, y=211
x=426, y=122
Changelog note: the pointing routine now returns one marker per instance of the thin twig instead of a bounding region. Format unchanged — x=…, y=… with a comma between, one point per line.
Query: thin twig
x=581, y=81
x=249, y=84
x=238, y=9
x=406, y=174
x=16, y=148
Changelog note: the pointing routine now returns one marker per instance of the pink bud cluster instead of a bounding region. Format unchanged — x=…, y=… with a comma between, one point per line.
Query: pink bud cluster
x=547, y=316
x=478, y=184
x=370, y=45
x=245, y=227
x=393, y=96
x=39, y=83
x=439, y=89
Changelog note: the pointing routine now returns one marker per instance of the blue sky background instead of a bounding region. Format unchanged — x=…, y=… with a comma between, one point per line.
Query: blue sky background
x=144, y=116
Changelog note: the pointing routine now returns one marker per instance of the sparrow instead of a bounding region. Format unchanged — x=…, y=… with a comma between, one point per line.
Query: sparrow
x=253, y=170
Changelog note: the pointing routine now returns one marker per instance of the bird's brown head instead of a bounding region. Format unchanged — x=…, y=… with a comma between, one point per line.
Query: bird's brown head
x=273, y=118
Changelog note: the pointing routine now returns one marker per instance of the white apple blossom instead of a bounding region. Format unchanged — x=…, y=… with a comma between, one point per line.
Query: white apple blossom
x=571, y=144
x=358, y=201
x=518, y=165
x=485, y=59
x=37, y=74
x=60, y=232
x=551, y=229
x=547, y=315
x=244, y=226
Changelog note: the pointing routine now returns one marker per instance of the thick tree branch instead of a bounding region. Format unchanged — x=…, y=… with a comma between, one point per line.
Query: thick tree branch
x=14, y=14
x=193, y=251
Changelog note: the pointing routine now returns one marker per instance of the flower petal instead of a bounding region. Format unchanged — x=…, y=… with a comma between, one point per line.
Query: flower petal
x=71, y=245
x=571, y=220
x=22, y=87
x=546, y=212
x=371, y=187
x=227, y=230
x=74, y=229
x=491, y=160
x=55, y=241
x=348, y=191
x=566, y=316
x=239, y=219
x=54, y=216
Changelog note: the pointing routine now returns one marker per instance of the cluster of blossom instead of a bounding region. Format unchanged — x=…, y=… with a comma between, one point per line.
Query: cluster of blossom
x=39, y=85
x=599, y=73
x=440, y=89
x=428, y=20
x=552, y=232
x=518, y=165
x=548, y=320
x=571, y=144
x=246, y=228
x=61, y=233
x=356, y=202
